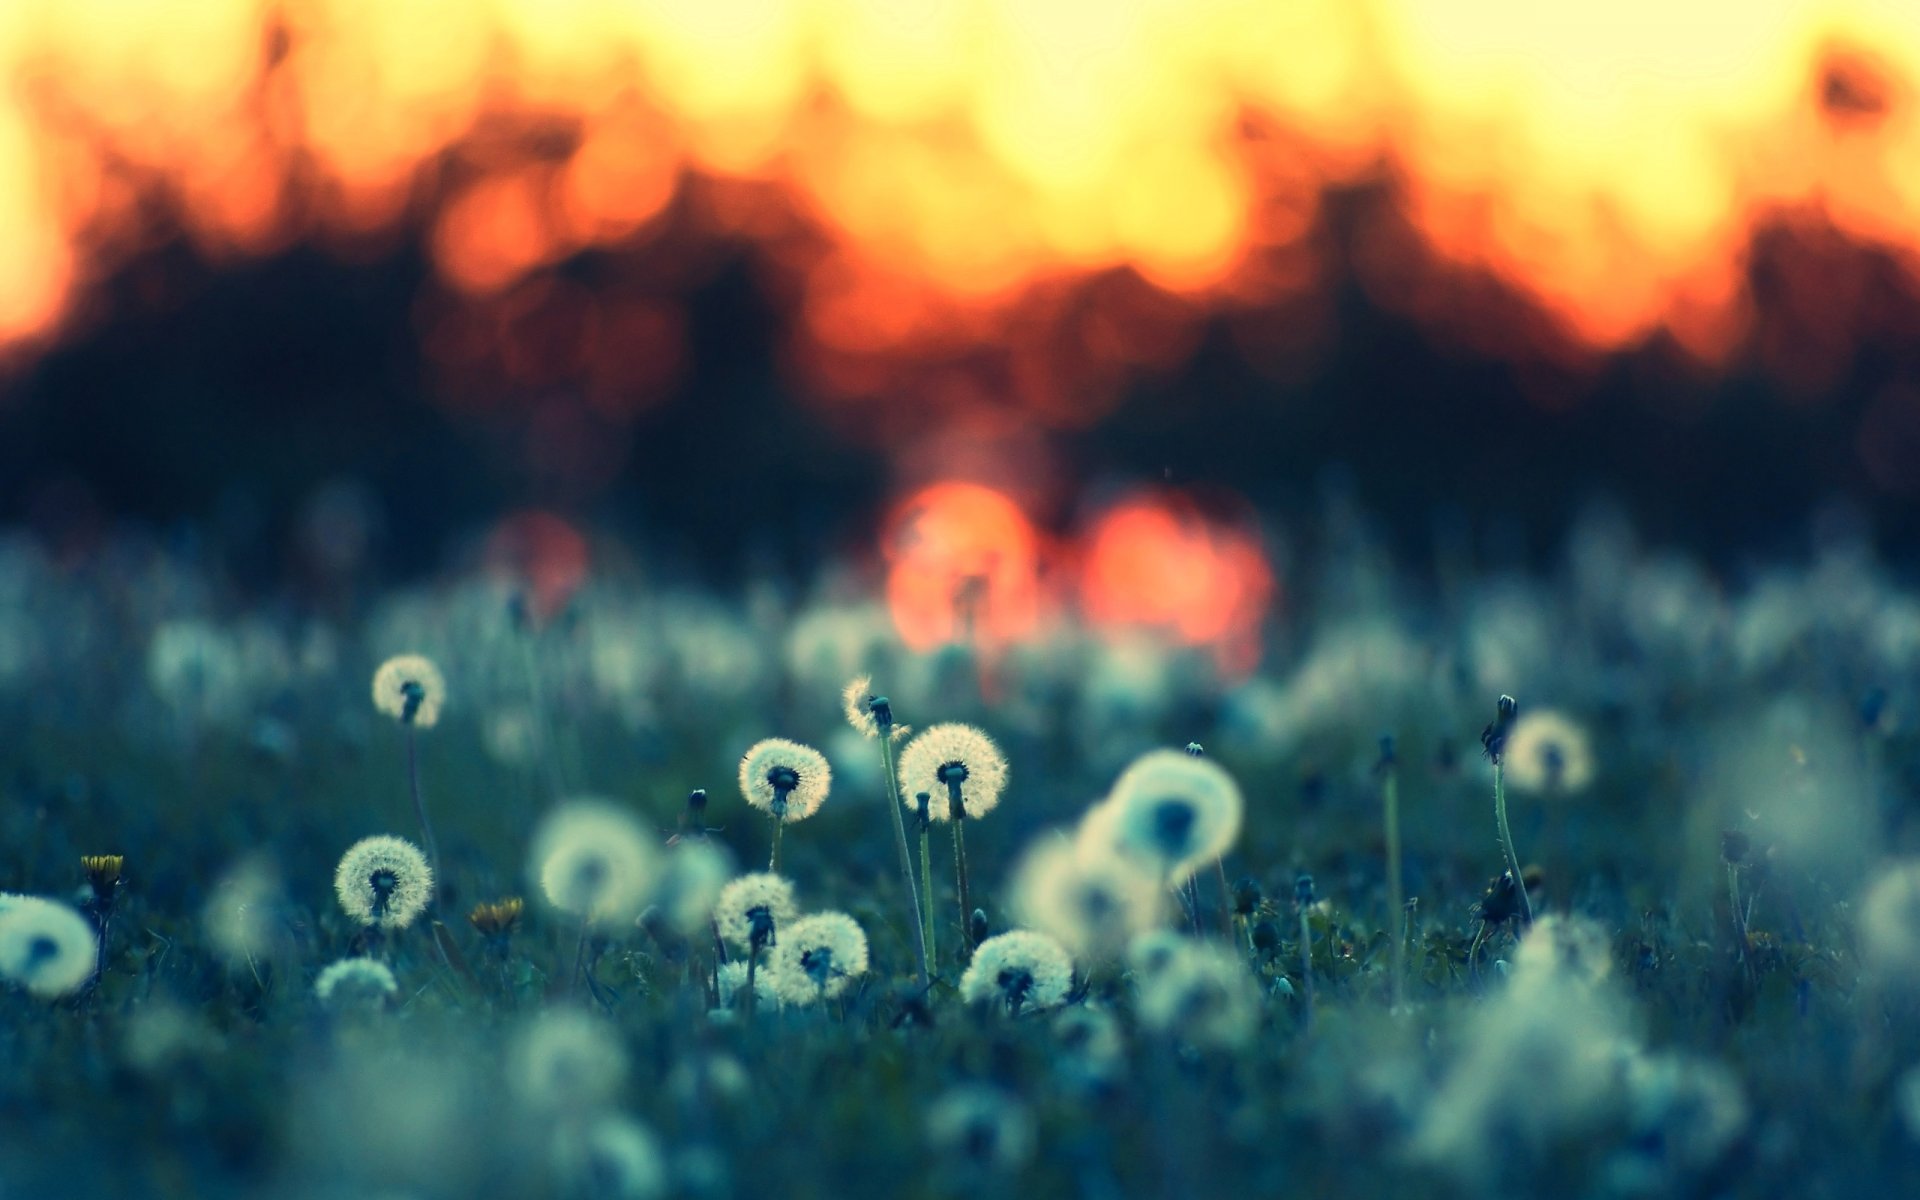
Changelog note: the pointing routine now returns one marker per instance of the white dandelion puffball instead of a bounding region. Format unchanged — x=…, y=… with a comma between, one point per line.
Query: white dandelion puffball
x=355, y=983
x=567, y=1061
x=853, y=702
x=763, y=900
x=989, y=1129
x=1150, y=953
x=45, y=947
x=1173, y=811
x=1204, y=997
x=410, y=689
x=731, y=980
x=785, y=778
x=818, y=956
x=1022, y=970
x=593, y=860
x=690, y=885
x=1559, y=949
x=1092, y=900
x=949, y=755
x=384, y=881
x=615, y=1156
x=1547, y=752
x=1890, y=923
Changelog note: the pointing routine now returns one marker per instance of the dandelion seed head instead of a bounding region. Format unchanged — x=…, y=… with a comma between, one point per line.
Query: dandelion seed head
x=1089, y=898
x=244, y=919
x=566, y=1061
x=949, y=753
x=46, y=947
x=355, y=984
x=1692, y=1108
x=1203, y=997
x=982, y=1128
x=1090, y=1048
x=1546, y=751
x=1151, y=953
x=410, y=689
x=779, y=772
x=854, y=702
x=1562, y=949
x=594, y=861
x=761, y=899
x=1173, y=811
x=1890, y=923
x=613, y=1156
x=818, y=957
x=384, y=881
x=690, y=885
x=1021, y=970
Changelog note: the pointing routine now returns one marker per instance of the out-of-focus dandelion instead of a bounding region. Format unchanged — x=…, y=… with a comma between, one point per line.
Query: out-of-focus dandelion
x=1683, y=1116
x=1547, y=751
x=962, y=773
x=1091, y=900
x=594, y=861
x=1021, y=970
x=1559, y=949
x=872, y=715
x=981, y=1130
x=1204, y=997
x=383, y=882
x=691, y=883
x=1091, y=1053
x=410, y=689
x=46, y=947
x=355, y=985
x=245, y=919
x=1890, y=925
x=818, y=957
x=786, y=780
x=1150, y=953
x=750, y=914
x=1172, y=811
x=1495, y=740
x=612, y=1156
x=566, y=1062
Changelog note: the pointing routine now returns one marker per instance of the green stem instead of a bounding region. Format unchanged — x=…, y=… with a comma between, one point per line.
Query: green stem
x=773, y=862
x=906, y=856
x=1226, y=900
x=1506, y=838
x=1306, y=968
x=1396, y=895
x=926, y=880
x=958, y=808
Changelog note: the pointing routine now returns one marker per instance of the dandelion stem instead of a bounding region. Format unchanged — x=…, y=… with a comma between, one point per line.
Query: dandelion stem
x=420, y=806
x=1396, y=894
x=1226, y=900
x=926, y=880
x=1739, y=915
x=957, y=805
x=773, y=862
x=1506, y=837
x=906, y=856
x=1306, y=968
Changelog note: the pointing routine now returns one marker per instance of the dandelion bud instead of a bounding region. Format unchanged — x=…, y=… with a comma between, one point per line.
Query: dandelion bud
x=1493, y=739
x=1266, y=939
x=1735, y=845
x=1303, y=891
x=497, y=921
x=1388, y=756
x=977, y=926
x=1246, y=897
x=103, y=876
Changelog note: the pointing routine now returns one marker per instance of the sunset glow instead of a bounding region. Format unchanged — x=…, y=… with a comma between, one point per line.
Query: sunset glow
x=931, y=169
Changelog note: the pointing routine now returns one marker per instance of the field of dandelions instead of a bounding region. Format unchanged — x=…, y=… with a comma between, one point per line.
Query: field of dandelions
x=663, y=893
